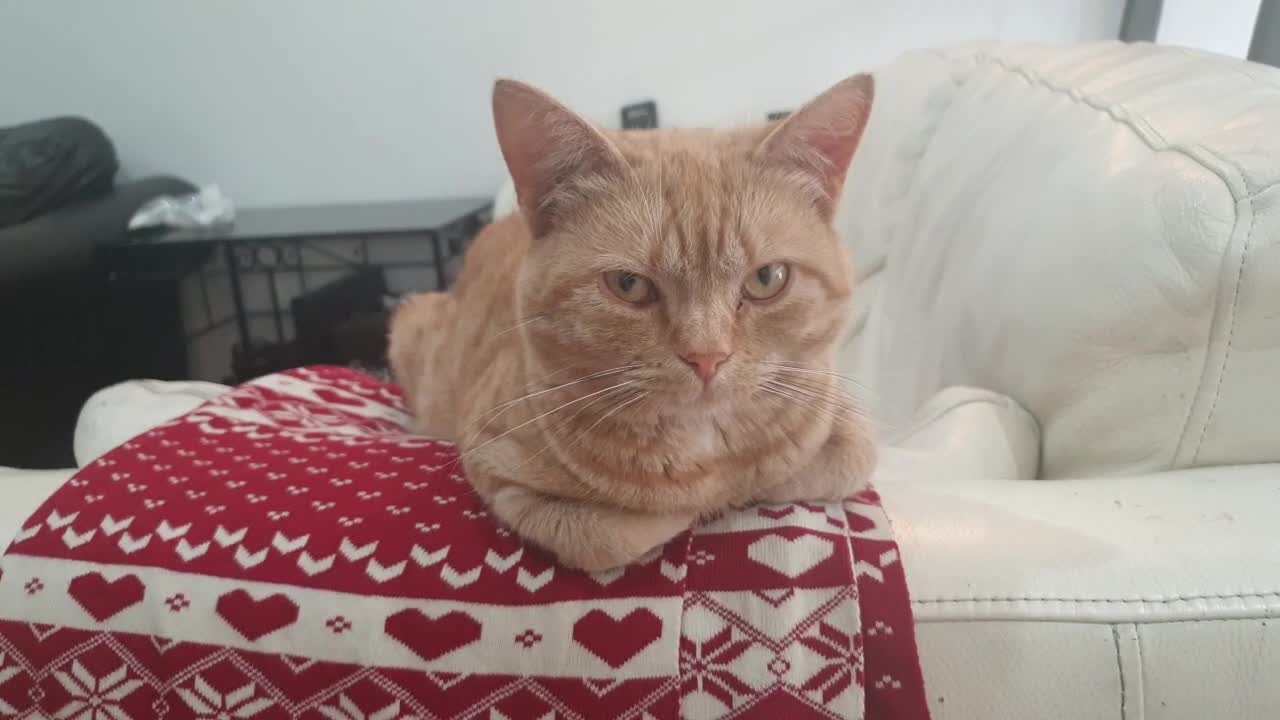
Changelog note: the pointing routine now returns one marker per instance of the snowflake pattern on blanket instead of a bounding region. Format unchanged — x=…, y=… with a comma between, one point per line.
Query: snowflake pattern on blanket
x=291, y=550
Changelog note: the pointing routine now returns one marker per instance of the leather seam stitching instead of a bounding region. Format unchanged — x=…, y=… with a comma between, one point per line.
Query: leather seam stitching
x=1142, y=670
x=1115, y=638
x=1053, y=619
x=1231, y=328
x=1151, y=600
x=1149, y=136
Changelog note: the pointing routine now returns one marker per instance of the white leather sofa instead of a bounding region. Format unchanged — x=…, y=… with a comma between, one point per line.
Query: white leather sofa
x=1070, y=325
x=1095, y=234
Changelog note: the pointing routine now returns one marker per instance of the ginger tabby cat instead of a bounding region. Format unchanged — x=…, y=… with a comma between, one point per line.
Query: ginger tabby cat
x=650, y=340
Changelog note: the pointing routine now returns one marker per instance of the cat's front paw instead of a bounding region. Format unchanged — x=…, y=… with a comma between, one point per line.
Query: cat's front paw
x=584, y=536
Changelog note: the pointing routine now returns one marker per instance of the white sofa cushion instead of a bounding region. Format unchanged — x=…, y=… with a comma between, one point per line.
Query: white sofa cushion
x=1090, y=231
x=1071, y=599
x=115, y=414
x=21, y=494
x=963, y=434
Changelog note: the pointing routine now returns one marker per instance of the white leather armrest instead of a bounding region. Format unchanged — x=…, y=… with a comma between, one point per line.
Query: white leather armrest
x=963, y=432
x=121, y=412
x=1170, y=546
x=1075, y=597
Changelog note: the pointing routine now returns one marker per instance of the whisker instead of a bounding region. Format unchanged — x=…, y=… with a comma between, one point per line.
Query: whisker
x=643, y=394
x=786, y=392
x=804, y=404
x=567, y=425
x=804, y=363
x=493, y=413
x=832, y=395
x=548, y=377
x=772, y=390
x=782, y=367
x=829, y=391
x=553, y=410
x=856, y=405
x=517, y=326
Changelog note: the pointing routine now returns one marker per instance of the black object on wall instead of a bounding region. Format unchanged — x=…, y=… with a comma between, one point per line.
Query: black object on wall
x=640, y=116
x=1265, y=44
x=1141, y=20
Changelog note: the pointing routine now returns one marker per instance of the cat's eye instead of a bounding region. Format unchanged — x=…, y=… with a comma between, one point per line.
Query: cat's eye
x=766, y=281
x=630, y=287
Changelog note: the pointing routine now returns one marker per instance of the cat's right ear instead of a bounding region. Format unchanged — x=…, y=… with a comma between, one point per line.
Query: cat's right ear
x=546, y=146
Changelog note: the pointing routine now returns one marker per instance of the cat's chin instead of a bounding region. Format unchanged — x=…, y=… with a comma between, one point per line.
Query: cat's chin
x=702, y=400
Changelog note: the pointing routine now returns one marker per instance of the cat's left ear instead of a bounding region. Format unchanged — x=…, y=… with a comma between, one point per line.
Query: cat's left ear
x=547, y=147
x=817, y=142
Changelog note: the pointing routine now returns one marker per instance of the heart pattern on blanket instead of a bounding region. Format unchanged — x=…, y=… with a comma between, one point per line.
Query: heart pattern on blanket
x=775, y=513
x=617, y=641
x=332, y=397
x=256, y=618
x=431, y=638
x=790, y=557
x=196, y=594
x=104, y=599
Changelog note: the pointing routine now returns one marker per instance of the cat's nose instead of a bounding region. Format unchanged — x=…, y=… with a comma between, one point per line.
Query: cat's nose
x=705, y=365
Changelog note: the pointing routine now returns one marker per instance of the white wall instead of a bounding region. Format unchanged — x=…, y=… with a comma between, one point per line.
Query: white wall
x=296, y=101
x=1221, y=26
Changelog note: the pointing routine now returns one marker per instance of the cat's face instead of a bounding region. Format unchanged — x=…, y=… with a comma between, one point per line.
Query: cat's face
x=695, y=264
x=700, y=266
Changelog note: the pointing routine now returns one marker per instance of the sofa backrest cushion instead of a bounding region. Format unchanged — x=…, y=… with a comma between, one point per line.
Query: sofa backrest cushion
x=1092, y=231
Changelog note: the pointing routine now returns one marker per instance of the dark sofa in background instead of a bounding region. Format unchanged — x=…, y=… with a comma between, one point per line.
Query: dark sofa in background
x=75, y=314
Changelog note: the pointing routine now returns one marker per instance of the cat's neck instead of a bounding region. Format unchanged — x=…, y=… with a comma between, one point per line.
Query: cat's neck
x=631, y=449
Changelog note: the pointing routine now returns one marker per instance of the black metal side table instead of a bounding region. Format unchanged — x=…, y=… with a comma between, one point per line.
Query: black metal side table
x=271, y=240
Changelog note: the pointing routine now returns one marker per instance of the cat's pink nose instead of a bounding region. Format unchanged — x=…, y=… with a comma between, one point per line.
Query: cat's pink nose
x=705, y=365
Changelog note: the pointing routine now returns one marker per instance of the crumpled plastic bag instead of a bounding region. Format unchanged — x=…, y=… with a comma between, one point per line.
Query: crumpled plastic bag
x=207, y=208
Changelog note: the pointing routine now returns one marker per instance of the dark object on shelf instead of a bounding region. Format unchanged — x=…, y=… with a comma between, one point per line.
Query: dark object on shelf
x=49, y=164
x=318, y=314
x=640, y=116
x=71, y=323
x=263, y=358
x=361, y=340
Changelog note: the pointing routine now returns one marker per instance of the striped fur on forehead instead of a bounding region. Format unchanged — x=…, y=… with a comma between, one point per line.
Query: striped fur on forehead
x=701, y=234
x=691, y=205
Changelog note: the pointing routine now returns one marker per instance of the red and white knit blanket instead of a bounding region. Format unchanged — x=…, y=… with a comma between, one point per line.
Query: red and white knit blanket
x=291, y=550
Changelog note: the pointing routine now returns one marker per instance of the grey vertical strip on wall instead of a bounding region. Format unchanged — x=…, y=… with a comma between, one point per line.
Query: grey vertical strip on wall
x=1141, y=20
x=1265, y=47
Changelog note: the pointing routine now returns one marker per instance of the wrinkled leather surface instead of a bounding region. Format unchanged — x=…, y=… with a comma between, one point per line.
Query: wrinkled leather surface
x=1090, y=232
x=116, y=414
